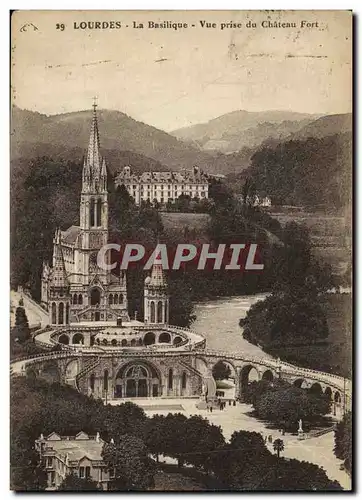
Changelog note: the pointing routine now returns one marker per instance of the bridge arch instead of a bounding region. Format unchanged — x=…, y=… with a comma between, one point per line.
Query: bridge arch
x=337, y=397
x=268, y=375
x=63, y=339
x=316, y=388
x=222, y=365
x=78, y=338
x=177, y=340
x=149, y=338
x=328, y=393
x=164, y=338
x=301, y=383
x=248, y=374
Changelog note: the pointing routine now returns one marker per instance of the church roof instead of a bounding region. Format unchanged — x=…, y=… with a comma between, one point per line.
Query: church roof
x=157, y=276
x=59, y=275
x=71, y=234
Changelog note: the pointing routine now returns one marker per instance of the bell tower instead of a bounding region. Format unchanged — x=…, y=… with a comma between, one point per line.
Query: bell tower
x=94, y=200
x=156, y=299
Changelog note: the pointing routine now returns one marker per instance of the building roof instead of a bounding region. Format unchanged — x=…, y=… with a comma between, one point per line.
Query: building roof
x=191, y=177
x=76, y=447
x=58, y=274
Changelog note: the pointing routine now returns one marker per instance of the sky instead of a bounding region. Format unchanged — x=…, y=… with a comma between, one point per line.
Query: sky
x=175, y=78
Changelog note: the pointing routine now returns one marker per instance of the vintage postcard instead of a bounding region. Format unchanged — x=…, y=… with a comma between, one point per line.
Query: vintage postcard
x=181, y=241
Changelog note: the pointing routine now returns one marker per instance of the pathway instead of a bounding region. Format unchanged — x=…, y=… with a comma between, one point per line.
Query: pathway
x=318, y=450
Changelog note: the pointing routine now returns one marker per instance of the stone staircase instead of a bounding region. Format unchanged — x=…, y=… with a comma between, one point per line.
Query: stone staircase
x=87, y=369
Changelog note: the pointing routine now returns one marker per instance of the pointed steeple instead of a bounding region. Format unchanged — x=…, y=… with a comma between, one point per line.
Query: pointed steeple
x=158, y=278
x=93, y=154
x=59, y=274
x=94, y=168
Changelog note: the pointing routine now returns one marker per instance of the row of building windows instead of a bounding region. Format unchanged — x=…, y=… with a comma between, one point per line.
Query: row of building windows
x=168, y=186
x=114, y=298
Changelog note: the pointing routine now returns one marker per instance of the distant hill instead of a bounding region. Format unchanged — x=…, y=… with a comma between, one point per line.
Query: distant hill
x=325, y=126
x=233, y=131
x=37, y=134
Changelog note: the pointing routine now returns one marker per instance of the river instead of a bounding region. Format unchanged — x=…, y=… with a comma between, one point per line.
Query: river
x=218, y=321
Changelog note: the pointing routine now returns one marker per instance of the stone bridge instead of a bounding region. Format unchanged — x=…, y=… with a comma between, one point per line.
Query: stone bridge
x=171, y=372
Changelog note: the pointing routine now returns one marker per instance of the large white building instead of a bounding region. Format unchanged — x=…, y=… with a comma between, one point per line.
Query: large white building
x=164, y=186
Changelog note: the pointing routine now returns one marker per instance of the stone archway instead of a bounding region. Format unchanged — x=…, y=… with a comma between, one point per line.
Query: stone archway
x=328, y=393
x=248, y=374
x=268, y=375
x=301, y=383
x=137, y=379
x=63, y=339
x=149, y=338
x=316, y=389
x=78, y=338
x=164, y=338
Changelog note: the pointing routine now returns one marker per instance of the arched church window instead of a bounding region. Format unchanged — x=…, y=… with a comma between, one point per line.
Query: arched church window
x=170, y=378
x=99, y=212
x=54, y=313
x=159, y=312
x=91, y=382
x=152, y=306
x=115, y=298
x=105, y=380
x=184, y=379
x=95, y=296
x=61, y=314
x=67, y=313
x=80, y=299
x=110, y=299
x=120, y=298
x=75, y=299
x=166, y=312
x=91, y=213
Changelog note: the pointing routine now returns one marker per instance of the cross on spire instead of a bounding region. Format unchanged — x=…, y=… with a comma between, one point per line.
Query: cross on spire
x=95, y=98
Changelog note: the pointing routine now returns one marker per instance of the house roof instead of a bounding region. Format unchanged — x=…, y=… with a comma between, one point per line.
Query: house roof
x=78, y=447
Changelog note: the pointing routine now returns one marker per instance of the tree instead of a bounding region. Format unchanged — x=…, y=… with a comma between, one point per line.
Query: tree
x=129, y=462
x=279, y=474
x=221, y=371
x=126, y=418
x=238, y=464
x=21, y=332
x=286, y=406
x=278, y=446
x=26, y=470
x=71, y=482
x=154, y=435
x=343, y=441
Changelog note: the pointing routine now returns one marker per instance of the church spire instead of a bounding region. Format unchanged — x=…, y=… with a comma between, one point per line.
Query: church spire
x=158, y=276
x=59, y=274
x=94, y=168
x=93, y=154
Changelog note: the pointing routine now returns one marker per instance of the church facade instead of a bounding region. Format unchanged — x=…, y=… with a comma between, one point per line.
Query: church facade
x=74, y=288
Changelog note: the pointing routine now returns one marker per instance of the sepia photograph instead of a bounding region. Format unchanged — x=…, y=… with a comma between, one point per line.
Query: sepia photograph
x=181, y=251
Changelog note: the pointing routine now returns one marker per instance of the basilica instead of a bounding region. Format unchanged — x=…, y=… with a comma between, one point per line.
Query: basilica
x=74, y=289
